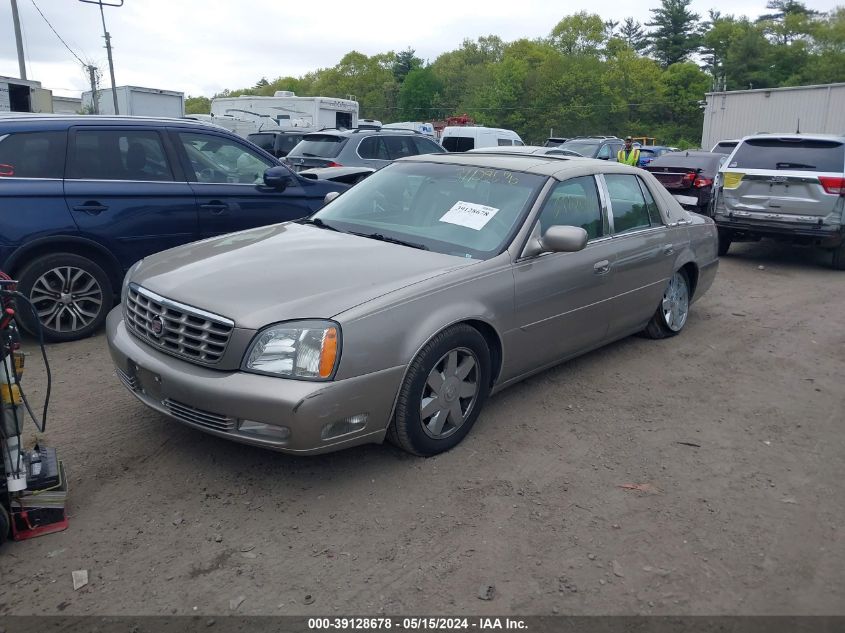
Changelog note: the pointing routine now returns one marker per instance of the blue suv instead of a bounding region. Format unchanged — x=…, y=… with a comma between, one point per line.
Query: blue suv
x=82, y=198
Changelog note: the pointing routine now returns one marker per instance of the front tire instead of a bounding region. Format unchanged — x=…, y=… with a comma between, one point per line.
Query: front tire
x=671, y=315
x=71, y=294
x=443, y=393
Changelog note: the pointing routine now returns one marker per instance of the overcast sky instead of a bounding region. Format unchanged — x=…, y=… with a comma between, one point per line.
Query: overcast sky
x=200, y=47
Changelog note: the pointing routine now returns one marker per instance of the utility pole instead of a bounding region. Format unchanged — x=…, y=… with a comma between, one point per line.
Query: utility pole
x=95, y=98
x=17, y=22
x=117, y=3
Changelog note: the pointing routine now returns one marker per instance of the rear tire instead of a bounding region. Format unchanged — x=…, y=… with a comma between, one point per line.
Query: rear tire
x=443, y=393
x=671, y=315
x=839, y=257
x=725, y=239
x=72, y=295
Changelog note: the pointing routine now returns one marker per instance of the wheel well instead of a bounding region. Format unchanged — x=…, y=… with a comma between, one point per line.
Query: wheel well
x=692, y=274
x=494, y=343
x=103, y=260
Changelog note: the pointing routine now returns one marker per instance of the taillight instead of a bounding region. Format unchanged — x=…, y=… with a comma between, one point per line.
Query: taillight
x=334, y=164
x=688, y=179
x=7, y=170
x=831, y=184
x=702, y=182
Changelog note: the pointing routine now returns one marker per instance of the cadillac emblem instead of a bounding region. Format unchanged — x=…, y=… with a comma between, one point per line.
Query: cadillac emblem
x=157, y=326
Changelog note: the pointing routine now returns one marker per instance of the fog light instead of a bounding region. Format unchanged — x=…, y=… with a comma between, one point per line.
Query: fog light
x=345, y=426
x=264, y=431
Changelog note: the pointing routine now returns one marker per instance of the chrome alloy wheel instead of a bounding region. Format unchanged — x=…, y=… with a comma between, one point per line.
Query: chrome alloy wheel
x=676, y=302
x=449, y=393
x=66, y=298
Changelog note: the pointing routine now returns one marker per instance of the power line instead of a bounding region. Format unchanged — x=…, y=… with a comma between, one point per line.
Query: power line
x=57, y=34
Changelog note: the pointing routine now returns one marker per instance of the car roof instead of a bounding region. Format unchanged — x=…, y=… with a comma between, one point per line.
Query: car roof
x=559, y=167
x=794, y=136
x=366, y=132
x=60, y=121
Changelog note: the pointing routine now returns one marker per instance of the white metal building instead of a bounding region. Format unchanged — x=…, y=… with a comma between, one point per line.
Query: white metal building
x=734, y=114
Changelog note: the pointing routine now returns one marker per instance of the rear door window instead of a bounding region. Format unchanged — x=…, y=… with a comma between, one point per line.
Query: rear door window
x=787, y=154
x=32, y=155
x=319, y=146
x=630, y=212
x=118, y=155
x=427, y=146
x=400, y=146
x=651, y=205
x=264, y=141
x=458, y=143
x=373, y=147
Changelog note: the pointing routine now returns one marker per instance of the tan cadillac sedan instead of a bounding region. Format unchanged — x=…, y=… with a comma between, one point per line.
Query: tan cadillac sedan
x=396, y=310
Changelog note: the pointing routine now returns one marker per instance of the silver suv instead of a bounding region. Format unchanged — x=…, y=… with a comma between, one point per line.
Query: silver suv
x=786, y=187
x=361, y=147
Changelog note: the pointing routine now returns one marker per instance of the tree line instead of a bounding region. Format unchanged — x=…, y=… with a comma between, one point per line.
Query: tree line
x=589, y=75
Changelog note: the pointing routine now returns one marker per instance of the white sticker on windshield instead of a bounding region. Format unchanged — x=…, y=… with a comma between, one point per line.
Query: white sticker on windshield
x=470, y=215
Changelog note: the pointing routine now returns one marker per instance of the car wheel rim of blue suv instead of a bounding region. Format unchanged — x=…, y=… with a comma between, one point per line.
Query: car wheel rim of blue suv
x=67, y=298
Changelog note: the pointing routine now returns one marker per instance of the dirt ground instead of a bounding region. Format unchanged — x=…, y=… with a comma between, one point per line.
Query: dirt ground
x=736, y=426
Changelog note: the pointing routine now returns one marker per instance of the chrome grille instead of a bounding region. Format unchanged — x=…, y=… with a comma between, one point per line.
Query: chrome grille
x=185, y=331
x=192, y=415
x=128, y=381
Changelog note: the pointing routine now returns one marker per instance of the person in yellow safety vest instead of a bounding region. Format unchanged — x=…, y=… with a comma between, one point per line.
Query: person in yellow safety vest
x=628, y=155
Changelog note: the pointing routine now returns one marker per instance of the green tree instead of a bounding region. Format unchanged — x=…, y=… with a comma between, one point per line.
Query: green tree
x=579, y=34
x=419, y=95
x=674, y=33
x=633, y=34
x=197, y=105
x=405, y=62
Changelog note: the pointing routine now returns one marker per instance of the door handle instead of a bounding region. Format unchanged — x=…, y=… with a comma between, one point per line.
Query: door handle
x=669, y=250
x=91, y=207
x=217, y=207
x=602, y=267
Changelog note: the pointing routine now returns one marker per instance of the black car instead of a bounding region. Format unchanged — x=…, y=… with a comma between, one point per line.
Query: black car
x=276, y=143
x=690, y=174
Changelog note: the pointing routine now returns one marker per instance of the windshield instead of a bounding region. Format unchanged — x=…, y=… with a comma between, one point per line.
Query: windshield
x=585, y=148
x=790, y=153
x=318, y=145
x=452, y=209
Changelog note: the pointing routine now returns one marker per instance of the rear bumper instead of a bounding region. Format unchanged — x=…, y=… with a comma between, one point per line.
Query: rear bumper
x=797, y=228
x=220, y=402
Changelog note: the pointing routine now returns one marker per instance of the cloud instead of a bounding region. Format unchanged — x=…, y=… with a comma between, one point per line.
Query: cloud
x=202, y=47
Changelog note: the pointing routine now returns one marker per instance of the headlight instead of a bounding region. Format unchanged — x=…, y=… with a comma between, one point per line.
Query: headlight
x=125, y=287
x=307, y=350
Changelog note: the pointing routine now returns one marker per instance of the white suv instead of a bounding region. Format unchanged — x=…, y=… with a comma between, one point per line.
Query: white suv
x=787, y=187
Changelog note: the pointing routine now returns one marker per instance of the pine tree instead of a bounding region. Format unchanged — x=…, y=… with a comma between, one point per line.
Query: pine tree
x=675, y=32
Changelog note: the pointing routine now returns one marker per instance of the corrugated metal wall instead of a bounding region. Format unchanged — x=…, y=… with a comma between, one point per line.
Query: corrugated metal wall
x=742, y=112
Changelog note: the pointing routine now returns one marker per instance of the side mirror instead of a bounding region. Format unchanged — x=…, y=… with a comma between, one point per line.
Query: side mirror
x=331, y=195
x=564, y=239
x=277, y=177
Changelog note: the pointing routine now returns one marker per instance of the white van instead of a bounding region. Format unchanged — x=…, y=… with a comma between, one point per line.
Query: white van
x=417, y=126
x=460, y=138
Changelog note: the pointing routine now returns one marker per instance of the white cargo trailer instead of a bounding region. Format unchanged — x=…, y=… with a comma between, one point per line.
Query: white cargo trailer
x=137, y=101
x=286, y=110
x=21, y=95
x=738, y=113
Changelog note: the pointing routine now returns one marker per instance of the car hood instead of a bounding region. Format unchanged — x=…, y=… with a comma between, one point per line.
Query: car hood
x=286, y=271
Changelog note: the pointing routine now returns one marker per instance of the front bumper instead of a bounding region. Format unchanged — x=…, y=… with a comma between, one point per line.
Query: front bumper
x=220, y=402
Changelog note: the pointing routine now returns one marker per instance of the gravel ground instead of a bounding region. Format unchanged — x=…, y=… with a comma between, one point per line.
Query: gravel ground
x=734, y=429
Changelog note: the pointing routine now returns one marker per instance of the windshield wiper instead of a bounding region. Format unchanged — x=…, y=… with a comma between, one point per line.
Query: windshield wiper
x=318, y=222
x=392, y=240
x=794, y=166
